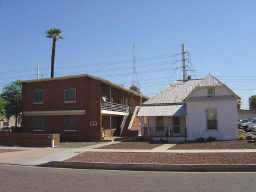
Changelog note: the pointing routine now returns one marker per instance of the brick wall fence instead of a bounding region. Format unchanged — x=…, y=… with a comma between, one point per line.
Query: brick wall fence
x=29, y=139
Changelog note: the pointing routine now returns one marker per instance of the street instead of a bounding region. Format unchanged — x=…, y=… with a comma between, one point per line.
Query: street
x=31, y=179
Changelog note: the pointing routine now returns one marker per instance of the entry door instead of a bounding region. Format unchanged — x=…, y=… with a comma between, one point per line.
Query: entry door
x=176, y=126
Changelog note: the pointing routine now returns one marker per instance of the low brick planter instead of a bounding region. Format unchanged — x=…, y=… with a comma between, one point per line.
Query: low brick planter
x=9, y=150
x=29, y=139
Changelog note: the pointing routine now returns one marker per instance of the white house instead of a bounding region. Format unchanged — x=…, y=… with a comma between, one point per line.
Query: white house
x=187, y=110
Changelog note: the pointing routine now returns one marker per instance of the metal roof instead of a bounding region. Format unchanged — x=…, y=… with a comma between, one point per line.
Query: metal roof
x=162, y=110
x=180, y=90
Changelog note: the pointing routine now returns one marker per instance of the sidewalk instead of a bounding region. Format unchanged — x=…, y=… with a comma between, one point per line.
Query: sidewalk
x=39, y=155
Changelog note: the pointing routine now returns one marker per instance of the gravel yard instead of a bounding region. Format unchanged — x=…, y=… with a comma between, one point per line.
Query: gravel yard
x=8, y=150
x=216, y=145
x=131, y=145
x=166, y=158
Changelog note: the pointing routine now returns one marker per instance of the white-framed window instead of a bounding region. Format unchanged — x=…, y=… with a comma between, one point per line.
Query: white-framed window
x=70, y=95
x=38, y=124
x=211, y=117
x=38, y=97
x=211, y=92
x=69, y=124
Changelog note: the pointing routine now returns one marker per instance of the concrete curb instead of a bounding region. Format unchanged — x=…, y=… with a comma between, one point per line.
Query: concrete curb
x=156, y=167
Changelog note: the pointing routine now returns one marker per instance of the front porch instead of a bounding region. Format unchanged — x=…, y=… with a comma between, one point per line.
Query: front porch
x=165, y=128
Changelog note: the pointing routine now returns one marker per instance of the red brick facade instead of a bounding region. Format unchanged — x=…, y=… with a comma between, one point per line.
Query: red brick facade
x=89, y=92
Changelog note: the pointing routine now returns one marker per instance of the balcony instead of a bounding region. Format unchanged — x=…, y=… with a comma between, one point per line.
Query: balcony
x=114, y=108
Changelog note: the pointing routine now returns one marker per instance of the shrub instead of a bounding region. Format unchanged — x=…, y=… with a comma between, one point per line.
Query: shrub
x=210, y=139
x=200, y=139
x=242, y=137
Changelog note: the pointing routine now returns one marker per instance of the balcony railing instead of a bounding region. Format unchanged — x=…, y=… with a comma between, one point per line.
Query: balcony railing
x=108, y=106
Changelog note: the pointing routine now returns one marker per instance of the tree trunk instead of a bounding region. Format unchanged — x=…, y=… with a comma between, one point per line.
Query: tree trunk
x=53, y=56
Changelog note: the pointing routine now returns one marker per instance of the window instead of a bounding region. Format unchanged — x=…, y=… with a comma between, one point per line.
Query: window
x=159, y=123
x=69, y=124
x=211, y=119
x=176, y=124
x=38, y=124
x=6, y=124
x=70, y=95
x=211, y=92
x=38, y=97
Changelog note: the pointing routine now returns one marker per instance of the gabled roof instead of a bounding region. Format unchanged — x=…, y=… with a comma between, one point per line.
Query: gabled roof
x=89, y=76
x=180, y=90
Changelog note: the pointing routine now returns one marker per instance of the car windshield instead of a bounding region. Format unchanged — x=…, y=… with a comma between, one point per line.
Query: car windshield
x=244, y=121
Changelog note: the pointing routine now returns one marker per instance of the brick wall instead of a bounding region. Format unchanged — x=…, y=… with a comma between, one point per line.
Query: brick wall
x=88, y=97
x=29, y=139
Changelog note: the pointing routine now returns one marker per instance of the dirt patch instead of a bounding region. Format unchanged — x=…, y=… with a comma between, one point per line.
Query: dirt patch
x=216, y=145
x=166, y=158
x=8, y=150
x=131, y=145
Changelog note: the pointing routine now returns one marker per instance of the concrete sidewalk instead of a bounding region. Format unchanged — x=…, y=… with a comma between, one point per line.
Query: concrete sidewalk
x=39, y=155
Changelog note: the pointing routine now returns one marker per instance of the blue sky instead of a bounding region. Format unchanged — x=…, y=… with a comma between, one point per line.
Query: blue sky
x=98, y=38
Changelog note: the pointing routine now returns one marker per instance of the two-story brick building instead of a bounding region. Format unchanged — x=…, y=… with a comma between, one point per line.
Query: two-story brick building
x=78, y=107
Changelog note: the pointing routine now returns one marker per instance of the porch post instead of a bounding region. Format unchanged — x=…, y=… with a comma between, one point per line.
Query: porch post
x=110, y=117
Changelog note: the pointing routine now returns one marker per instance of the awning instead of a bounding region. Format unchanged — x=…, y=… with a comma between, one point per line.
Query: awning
x=162, y=110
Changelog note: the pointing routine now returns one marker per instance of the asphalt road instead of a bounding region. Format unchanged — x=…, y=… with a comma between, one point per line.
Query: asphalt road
x=36, y=179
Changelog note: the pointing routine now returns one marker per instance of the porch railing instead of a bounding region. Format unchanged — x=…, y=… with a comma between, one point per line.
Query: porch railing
x=114, y=107
x=161, y=132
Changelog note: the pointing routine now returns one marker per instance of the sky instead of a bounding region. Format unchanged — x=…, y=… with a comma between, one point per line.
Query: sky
x=220, y=37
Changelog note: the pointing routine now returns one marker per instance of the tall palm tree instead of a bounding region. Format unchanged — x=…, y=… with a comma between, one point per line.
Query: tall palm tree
x=54, y=34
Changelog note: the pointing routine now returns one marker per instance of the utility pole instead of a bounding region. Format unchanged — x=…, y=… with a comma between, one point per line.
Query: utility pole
x=16, y=112
x=38, y=71
x=184, y=63
x=134, y=73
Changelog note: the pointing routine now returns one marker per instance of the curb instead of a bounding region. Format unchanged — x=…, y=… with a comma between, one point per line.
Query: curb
x=156, y=167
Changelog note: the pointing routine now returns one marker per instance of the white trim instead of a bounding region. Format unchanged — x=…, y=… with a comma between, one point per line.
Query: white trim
x=38, y=103
x=74, y=101
x=70, y=130
x=54, y=113
x=113, y=112
x=38, y=130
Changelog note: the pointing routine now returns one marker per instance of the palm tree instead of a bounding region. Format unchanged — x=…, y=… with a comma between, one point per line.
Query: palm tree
x=54, y=34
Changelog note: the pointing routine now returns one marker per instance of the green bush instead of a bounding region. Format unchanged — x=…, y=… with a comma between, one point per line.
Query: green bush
x=242, y=137
x=200, y=139
x=210, y=139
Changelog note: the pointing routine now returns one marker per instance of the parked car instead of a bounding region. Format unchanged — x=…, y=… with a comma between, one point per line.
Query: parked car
x=251, y=125
x=243, y=124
